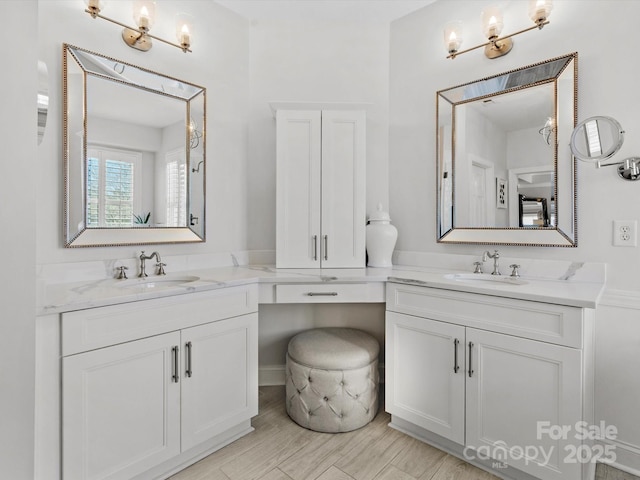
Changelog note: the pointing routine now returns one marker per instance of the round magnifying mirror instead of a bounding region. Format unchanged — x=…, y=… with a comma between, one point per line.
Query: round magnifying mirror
x=596, y=138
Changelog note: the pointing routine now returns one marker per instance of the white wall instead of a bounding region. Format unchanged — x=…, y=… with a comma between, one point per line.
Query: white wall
x=314, y=61
x=19, y=161
x=219, y=62
x=607, y=86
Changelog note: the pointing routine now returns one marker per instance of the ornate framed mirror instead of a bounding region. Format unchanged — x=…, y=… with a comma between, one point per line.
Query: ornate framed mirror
x=134, y=154
x=503, y=138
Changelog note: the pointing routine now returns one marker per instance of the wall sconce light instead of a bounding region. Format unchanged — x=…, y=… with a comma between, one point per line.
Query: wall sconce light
x=492, y=24
x=194, y=134
x=144, y=17
x=548, y=130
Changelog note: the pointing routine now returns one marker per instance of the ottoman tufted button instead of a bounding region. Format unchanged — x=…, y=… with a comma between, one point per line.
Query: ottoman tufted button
x=341, y=359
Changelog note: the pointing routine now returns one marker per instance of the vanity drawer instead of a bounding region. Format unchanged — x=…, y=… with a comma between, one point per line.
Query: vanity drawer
x=329, y=292
x=103, y=326
x=558, y=324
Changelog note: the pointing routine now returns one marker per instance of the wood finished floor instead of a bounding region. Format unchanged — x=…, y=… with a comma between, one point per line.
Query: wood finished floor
x=279, y=449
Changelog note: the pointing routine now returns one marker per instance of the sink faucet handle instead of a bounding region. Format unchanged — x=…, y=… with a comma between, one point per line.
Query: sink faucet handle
x=161, y=266
x=122, y=275
x=478, y=267
x=514, y=272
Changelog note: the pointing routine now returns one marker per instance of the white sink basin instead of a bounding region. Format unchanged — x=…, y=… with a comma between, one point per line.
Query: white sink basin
x=485, y=278
x=156, y=281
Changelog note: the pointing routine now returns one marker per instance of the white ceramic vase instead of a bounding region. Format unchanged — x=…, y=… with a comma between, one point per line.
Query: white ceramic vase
x=381, y=239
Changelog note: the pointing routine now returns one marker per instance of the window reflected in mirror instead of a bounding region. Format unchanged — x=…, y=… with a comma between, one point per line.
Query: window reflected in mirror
x=132, y=141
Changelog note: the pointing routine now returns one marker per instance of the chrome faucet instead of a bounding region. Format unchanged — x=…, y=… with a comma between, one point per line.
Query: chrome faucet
x=159, y=264
x=495, y=256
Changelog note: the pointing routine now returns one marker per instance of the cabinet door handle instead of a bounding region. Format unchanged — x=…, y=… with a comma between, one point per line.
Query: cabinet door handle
x=326, y=247
x=456, y=367
x=174, y=365
x=322, y=294
x=188, y=372
x=470, y=367
x=315, y=247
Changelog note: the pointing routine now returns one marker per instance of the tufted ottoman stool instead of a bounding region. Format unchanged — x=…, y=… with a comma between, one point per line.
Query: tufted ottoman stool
x=332, y=379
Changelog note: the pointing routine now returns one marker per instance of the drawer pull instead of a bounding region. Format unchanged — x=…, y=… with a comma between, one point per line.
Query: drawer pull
x=322, y=294
x=174, y=365
x=470, y=367
x=456, y=367
x=189, y=371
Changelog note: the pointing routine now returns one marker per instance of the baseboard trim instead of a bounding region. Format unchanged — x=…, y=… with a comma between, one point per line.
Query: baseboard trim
x=627, y=457
x=271, y=375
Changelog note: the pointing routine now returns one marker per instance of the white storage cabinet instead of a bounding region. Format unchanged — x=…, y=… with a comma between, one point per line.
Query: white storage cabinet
x=320, y=191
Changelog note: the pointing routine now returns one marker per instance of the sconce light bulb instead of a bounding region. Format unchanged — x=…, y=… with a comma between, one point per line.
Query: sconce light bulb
x=453, y=37
x=184, y=30
x=94, y=6
x=540, y=10
x=144, y=14
x=492, y=22
x=144, y=18
x=185, y=38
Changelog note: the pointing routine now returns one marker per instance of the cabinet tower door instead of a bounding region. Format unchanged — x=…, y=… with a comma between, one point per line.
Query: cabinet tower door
x=422, y=384
x=343, y=189
x=121, y=409
x=219, y=377
x=515, y=384
x=298, y=156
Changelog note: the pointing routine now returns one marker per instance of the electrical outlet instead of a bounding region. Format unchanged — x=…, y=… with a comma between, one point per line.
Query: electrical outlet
x=625, y=233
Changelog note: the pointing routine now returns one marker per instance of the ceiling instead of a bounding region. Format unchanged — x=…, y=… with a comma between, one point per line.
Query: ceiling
x=325, y=10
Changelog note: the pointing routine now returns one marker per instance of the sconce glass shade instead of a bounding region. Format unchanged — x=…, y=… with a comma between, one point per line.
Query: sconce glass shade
x=95, y=5
x=492, y=22
x=548, y=130
x=453, y=35
x=144, y=13
x=184, y=29
x=540, y=10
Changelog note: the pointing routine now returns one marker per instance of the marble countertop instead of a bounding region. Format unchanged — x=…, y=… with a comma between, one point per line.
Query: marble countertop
x=566, y=289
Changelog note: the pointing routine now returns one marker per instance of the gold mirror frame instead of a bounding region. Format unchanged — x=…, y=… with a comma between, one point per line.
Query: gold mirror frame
x=562, y=74
x=81, y=68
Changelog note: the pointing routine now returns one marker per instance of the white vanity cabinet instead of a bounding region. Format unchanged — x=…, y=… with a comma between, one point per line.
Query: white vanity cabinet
x=121, y=410
x=150, y=385
x=476, y=374
x=320, y=191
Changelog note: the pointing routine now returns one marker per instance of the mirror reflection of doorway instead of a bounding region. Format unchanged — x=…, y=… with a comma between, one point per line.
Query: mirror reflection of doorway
x=533, y=212
x=481, y=198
